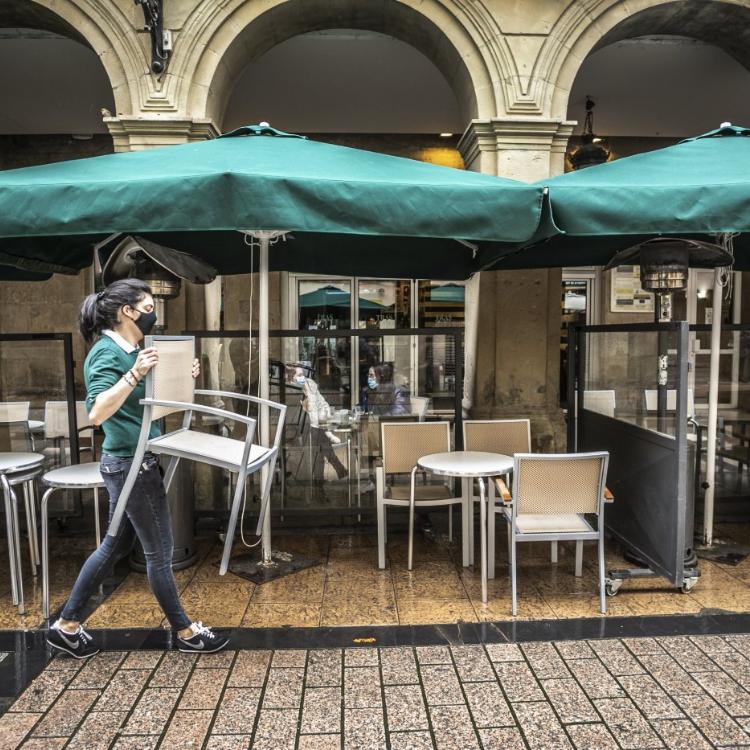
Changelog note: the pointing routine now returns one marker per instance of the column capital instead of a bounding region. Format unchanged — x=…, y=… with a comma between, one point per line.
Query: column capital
x=138, y=133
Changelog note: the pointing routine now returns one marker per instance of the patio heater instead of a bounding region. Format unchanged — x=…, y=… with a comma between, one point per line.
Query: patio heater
x=664, y=263
x=163, y=269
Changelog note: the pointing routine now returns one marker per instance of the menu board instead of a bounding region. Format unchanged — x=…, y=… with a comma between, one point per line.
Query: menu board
x=627, y=294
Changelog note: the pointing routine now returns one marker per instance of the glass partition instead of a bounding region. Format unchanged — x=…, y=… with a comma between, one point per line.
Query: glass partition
x=331, y=440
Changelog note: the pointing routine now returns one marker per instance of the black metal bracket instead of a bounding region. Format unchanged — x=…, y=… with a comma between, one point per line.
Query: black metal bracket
x=153, y=16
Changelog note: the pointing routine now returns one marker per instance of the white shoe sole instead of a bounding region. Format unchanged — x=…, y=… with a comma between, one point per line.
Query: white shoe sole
x=189, y=650
x=72, y=653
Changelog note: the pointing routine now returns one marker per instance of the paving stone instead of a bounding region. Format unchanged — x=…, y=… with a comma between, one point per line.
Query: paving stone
x=736, y=666
x=142, y=660
x=574, y=650
x=361, y=657
x=410, y=741
x=236, y=714
x=569, y=701
x=250, y=669
x=734, y=699
x=441, y=685
x=506, y=738
x=488, y=705
x=712, y=720
x=591, y=737
x=98, y=730
x=627, y=724
x=405, y=708
x=452, y=728
x=639, y=646
x=324, y=668
x=228, y=742
x=711, y=645
x=321, y=710
x=284, y=688
x=364, y=729
x=504, y=652
x=518, y=681
x=96, y=673
x=218, y=660
x=43, y=691
x=652, y=701
x=173, y=670
x=680, y=734
x=44, y=743
x=136, y=743
x=187, y=730
x=15, y=726
x=123, y=690
x=67, y=713
x=433, y=655
x=616, y=658
x=152, y=712
x=319, y=742
x=398, y=666
x=362, y=687
x=277, y=729
x=594, y=678
x=540, y=726
x=289, y=658
x=204, y=689
x=687, y=654
x=472, y=664
x=545, y=661
x=740, y=642
x=669, y=674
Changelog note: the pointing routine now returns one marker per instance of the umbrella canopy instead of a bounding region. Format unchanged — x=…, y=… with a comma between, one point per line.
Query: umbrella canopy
x=695, y=189
x=331, y=296
x=348, y=211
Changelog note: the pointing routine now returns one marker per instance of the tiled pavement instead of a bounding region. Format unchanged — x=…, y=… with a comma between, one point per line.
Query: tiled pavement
x=674, y=692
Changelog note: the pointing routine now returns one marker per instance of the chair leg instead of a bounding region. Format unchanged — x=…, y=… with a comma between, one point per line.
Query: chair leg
x=450, y=523
x=467, y=487
x=579, y=558
x=465, y=532
x=231, y=527
x=381, y=534
x=17, y=539
x=553, y=551
x=491, y=519
x=28, y=503
x=265, y=497
x=169, y=475
x=602, y=591
x=411, y=520
x=512, y=569
x=45, y=552
x=97, y=522
x=11, y=538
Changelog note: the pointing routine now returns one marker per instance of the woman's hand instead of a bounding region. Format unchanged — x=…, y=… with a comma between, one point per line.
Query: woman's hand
x=196, y=369
x=147, y=358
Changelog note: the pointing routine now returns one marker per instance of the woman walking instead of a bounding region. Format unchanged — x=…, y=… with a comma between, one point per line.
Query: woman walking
x=117, y=319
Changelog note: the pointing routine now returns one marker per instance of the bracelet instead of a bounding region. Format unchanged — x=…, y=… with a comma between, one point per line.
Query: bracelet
x=129, y=382
x=135, y=374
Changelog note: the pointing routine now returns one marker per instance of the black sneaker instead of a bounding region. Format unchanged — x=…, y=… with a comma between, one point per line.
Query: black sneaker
x=203, y=640
x=79, y=645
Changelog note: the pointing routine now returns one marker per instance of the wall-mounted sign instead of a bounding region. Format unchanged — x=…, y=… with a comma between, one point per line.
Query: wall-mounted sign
x=627, y=294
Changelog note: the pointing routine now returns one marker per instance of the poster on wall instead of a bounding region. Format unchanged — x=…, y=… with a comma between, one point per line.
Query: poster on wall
x=627, y=293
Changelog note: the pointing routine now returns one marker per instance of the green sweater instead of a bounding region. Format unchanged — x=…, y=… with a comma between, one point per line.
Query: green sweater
x=105, y=365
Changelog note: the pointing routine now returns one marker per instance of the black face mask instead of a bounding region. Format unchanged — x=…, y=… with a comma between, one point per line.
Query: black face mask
x=146, y=322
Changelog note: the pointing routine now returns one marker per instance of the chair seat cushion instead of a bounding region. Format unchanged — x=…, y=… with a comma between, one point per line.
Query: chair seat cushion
x=536, y=523
x=203, y=446
x=421, y=492
x=78, y=475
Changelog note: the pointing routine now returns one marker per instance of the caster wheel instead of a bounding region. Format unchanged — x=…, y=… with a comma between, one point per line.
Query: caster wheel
x=688, y=585
x=612, y=586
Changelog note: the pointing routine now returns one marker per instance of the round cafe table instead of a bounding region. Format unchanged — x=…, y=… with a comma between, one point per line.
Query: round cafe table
x=471, y=465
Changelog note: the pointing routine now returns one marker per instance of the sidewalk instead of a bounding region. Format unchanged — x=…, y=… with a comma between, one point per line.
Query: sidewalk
x=675, y=692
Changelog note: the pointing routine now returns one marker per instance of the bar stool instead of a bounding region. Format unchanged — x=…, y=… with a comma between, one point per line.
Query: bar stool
x=23, y=469
x=76, y=477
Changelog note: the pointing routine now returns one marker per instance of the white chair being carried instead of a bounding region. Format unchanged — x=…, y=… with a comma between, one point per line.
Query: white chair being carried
x=170, y=389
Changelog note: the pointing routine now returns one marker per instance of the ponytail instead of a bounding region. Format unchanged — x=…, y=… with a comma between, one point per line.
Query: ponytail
x=99, y=311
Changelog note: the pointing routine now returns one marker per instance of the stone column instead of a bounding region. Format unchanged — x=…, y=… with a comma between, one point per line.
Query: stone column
x=518, y=352
x=138, y=133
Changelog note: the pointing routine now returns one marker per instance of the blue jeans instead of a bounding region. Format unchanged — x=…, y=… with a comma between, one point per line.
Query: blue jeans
x=147, y=518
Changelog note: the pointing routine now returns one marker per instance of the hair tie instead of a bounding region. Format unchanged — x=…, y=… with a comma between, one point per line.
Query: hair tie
x=99, y=296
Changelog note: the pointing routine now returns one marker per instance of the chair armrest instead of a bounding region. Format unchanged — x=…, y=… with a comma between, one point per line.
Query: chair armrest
x=608, y=496
x=242, y=397
x=502, y=489
x=185, y=406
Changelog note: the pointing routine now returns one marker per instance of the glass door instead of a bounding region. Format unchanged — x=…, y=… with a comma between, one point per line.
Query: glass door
x=576, y=303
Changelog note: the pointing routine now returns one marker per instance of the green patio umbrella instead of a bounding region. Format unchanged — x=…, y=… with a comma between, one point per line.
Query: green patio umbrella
x=324, y=208
x=331, y=296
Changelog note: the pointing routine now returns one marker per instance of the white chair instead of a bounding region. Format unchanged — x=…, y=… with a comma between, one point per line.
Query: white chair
x=402, y=444
x=76, y=477
x=602, y=402
x=170, y=389
x=651, y=396
x=57, y=429
x=14, y=423
x=506, y=436
x=551, y=495
x=418, y=406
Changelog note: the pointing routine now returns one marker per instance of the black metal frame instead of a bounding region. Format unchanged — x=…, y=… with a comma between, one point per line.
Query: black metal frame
x=70, y=387
x=153, y=18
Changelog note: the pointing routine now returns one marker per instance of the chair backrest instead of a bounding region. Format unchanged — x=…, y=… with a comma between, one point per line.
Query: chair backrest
x=56, y=419
x=171, y=379
x=419, y=406
x=507, y=436
x=602, y=402
x=403, y=443
x=14, y=411
x=559, y=483
x=15, y=437
x=652, y=397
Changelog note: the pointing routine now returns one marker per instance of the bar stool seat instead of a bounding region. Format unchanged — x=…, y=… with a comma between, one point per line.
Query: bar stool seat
x=20, y=468
x=77, y=477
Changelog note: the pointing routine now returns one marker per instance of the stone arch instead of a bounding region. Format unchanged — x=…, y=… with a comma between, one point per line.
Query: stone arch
x=96, y=24
x=246, y=32
x=725, y=24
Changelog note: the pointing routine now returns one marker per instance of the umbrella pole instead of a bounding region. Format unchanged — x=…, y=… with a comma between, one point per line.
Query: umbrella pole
x=263, y=376
x=713, y=404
